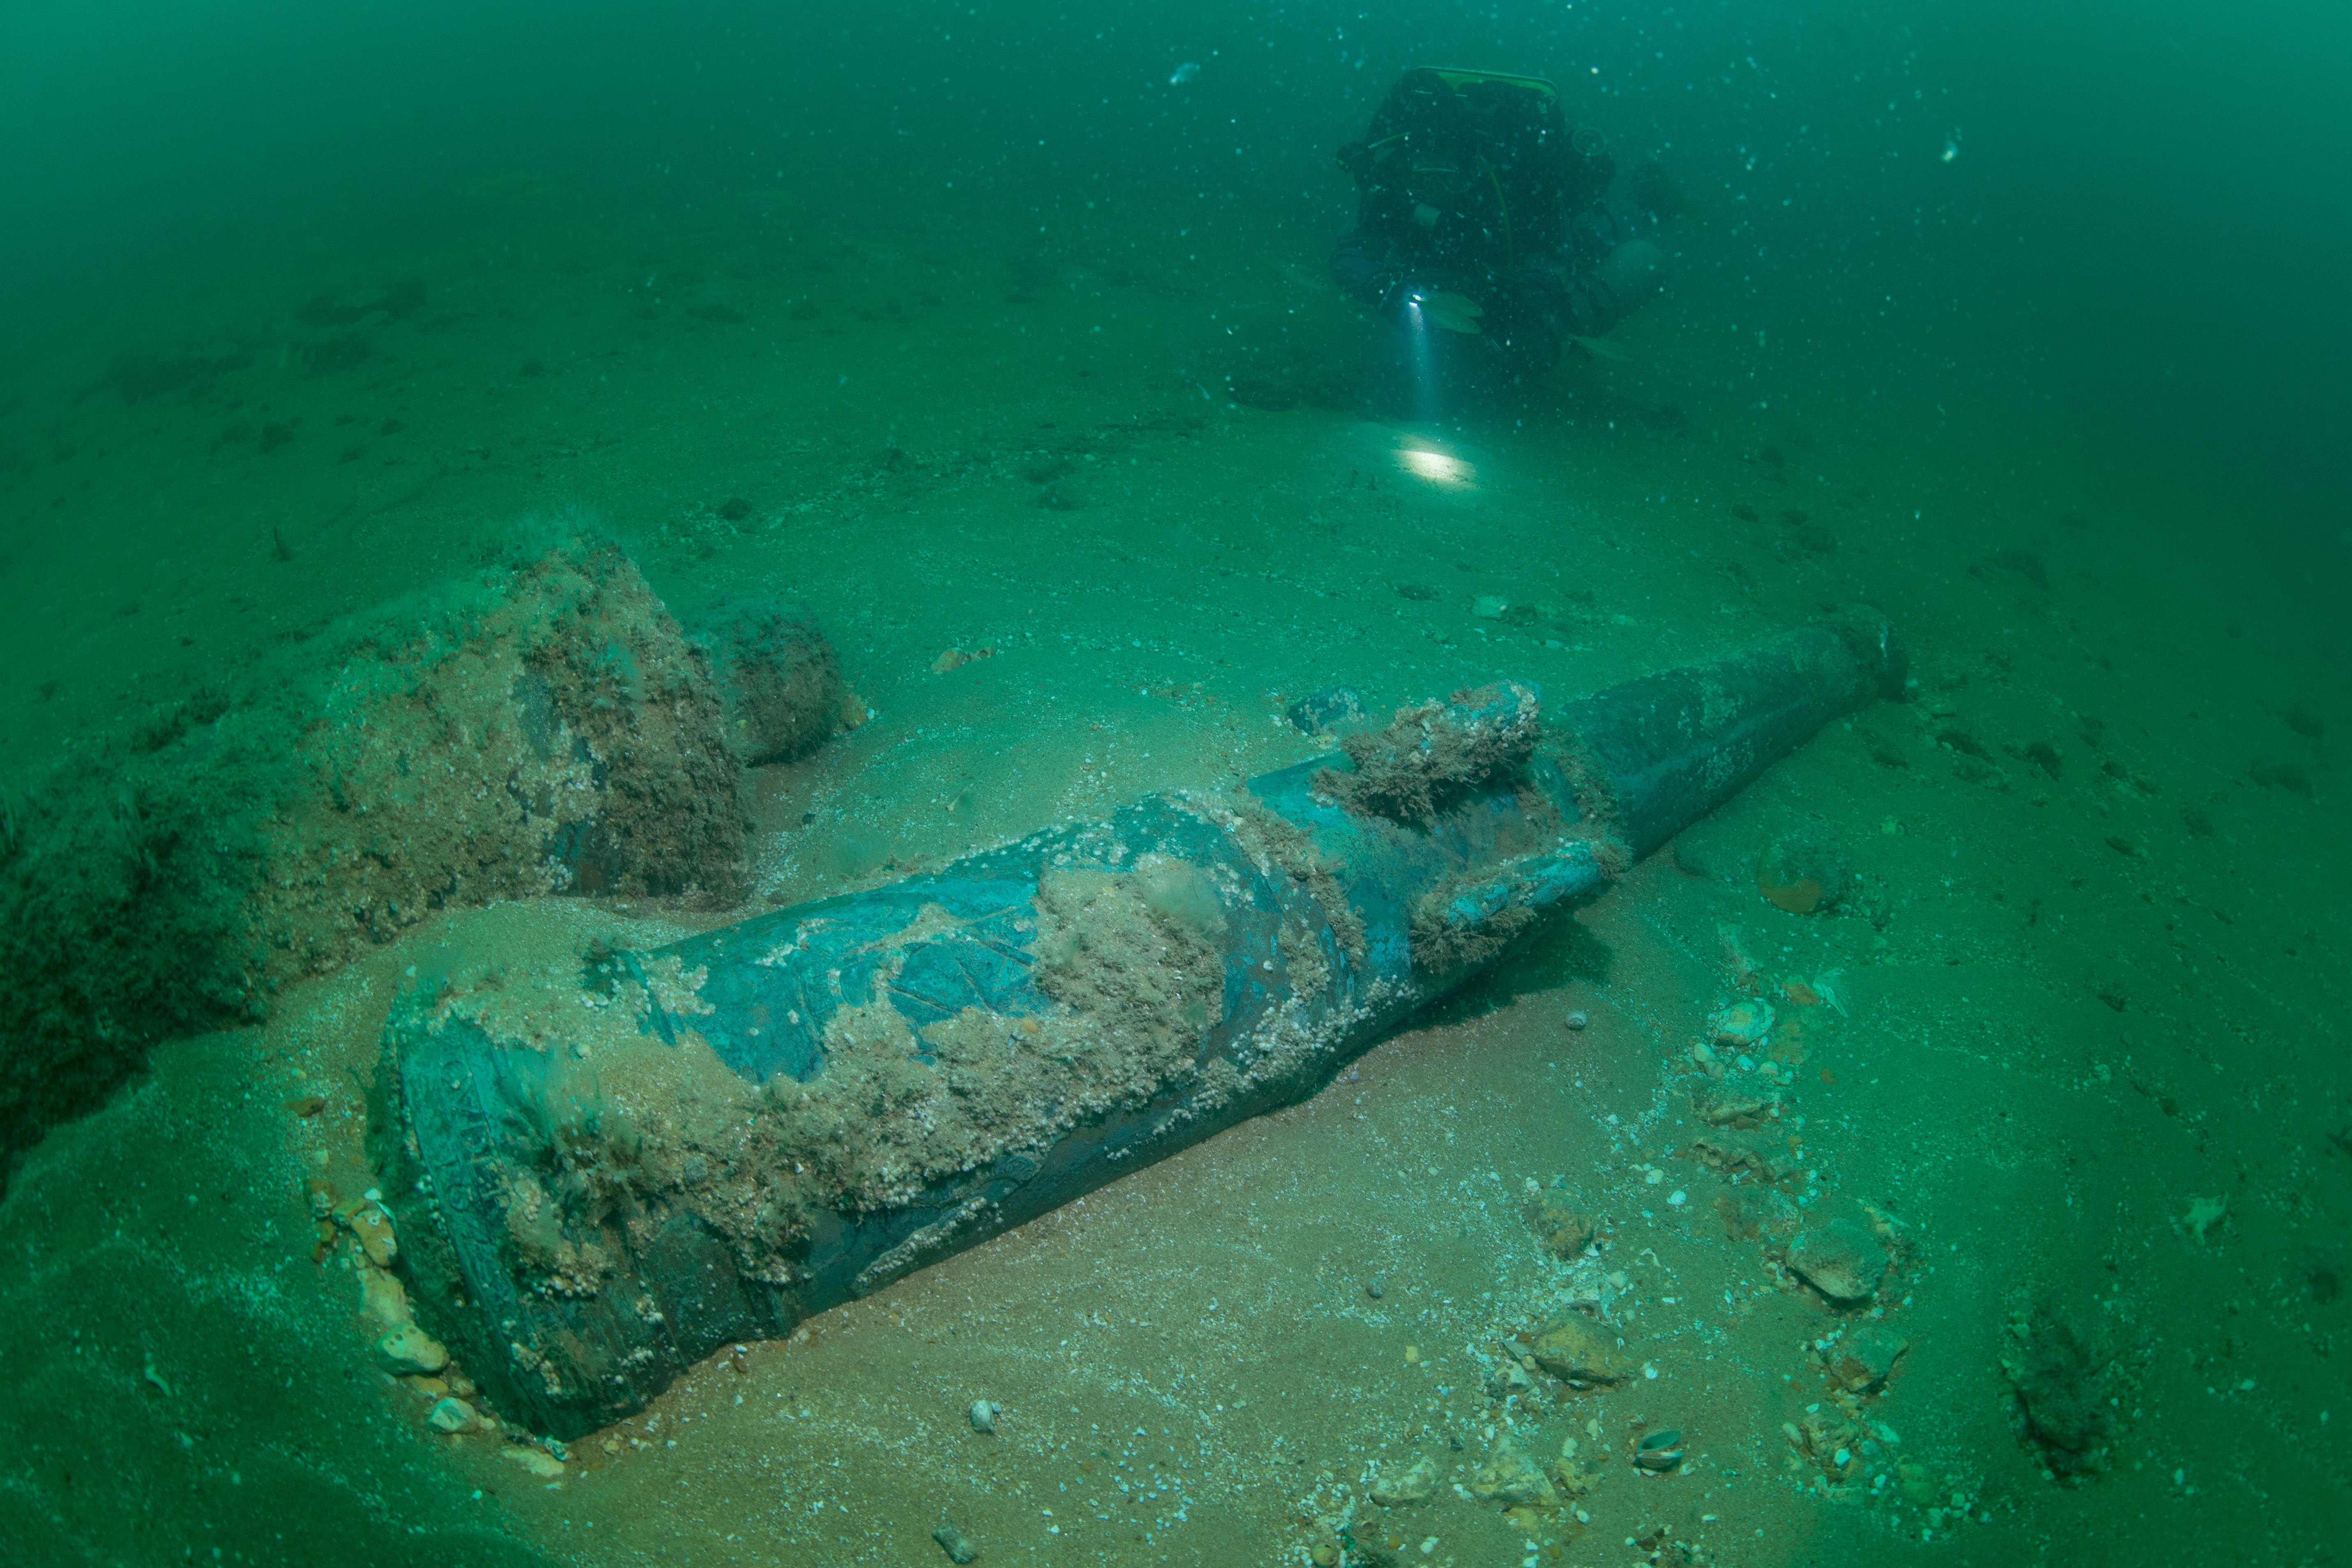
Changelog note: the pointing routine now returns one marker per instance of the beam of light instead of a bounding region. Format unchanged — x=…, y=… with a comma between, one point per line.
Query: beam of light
x=1437, y=467
x=1425, y=377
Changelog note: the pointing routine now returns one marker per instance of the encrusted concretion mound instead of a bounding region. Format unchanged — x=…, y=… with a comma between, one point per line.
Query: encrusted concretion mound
x=545, y=728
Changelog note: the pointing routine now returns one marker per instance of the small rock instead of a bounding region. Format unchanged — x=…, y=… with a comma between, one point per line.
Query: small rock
x=1826, y=1437
x=1578, y=1356
x=1508, y=1379
x=453, y=1417
x=1413, y=1487
x=983, y=1415
x=1318, y=711
x=1725, y=1150
x=960, y=1547
x=2062, y=1394
x=408, y=1349
x=1804, y=873
x=1751, y=1212
x=1375, y=1287
x=1372, y=1543
x=1840, y=1259
x=1512, y=1478
x=1578, y=1019
x=1865, y=1356
x=538, y=1461
x=384, y=1301
x=1730, y=1105
x=1742, y=1025
x=1559, y=1222
x=374, y=1228
x=1576, y=1481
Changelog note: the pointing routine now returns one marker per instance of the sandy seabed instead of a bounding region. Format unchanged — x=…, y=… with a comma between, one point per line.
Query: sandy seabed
x=2086, y=985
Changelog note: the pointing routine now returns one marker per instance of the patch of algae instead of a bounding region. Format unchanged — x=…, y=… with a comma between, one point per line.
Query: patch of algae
x=1434, y=753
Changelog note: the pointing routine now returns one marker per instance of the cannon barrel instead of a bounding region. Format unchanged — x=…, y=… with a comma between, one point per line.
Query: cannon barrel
x=597, y=1185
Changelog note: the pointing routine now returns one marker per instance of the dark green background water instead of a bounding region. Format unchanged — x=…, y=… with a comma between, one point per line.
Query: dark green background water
x=2145, y=235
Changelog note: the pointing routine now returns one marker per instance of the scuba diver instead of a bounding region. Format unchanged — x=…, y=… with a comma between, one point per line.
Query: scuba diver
x=1483, y=232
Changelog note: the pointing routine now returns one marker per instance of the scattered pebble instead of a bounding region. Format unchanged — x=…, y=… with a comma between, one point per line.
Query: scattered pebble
x=956, y=658
x=1741, y=1025
x=383, y=1299
x=1508, y=1379
x=1804, y=873
x=538, y=1461
x=1375, y=1287
x=1575, y=1355
x=374, y=1228
x=1369, y=1541
x=960, y=1547
x=983, y=1415
x=1840, y=1259
x=408, y=1349
x=1512, y=1478
x=1725, y=1150
x=1864, y=1357
x=453, y=1417
x=1734, y=1105
x=1319, y=711
x=1414, y=1486
x=1559, y=1222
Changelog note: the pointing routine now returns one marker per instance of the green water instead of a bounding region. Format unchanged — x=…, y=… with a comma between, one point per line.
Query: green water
x=995, y=327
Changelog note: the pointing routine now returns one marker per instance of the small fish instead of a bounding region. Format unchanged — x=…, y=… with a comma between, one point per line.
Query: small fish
x=1183, y=73
x=1825, y=986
